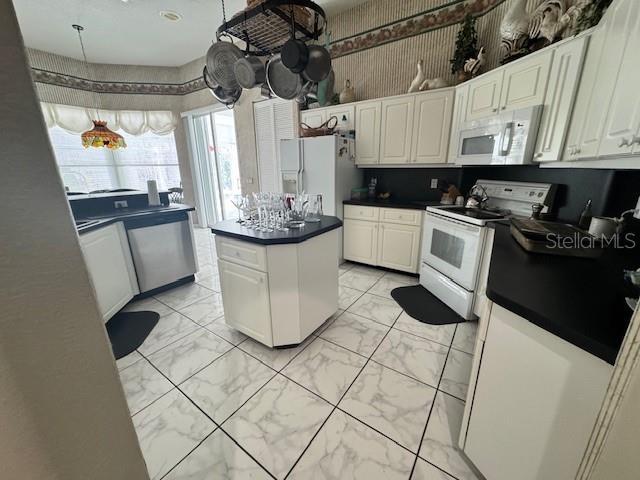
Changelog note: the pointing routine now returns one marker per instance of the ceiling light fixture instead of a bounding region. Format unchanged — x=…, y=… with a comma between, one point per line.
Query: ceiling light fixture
x=170, y=15
x=99, y=136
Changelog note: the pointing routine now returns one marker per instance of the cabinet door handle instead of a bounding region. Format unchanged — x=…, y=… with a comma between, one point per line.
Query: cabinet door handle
x=504, y=107
x=624, y=143
x=577, y=151
x=538, y=155
x=635, y=140
x=495, y=110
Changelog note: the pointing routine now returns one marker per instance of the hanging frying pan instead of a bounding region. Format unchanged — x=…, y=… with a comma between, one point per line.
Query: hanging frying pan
x=224, y=96
x=319, y=65
x=283, y=82
x=221, y=57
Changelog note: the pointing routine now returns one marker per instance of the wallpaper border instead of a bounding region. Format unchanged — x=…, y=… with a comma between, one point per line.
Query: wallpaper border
x=138, y=88
x=436, y=18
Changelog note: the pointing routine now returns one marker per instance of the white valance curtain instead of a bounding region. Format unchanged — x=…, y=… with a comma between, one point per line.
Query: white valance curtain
x=79, y=119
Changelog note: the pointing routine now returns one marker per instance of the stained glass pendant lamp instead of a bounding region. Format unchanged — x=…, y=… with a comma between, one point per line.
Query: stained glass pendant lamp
x=99, y=136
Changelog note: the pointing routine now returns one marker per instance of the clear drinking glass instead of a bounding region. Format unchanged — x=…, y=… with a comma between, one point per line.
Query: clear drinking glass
x=299, y=205
x=314, y=211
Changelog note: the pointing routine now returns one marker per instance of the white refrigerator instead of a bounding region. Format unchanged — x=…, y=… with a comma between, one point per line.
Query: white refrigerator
x=322, y=165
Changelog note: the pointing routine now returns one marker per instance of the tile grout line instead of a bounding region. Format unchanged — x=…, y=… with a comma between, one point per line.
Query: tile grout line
x=217, y=425
x=424, y=431
x=335, y=407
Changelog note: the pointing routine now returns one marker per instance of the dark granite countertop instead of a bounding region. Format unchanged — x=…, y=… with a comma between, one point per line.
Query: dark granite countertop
x=393, y=203
x=99, y=221
x=580, y=300
x=231, y=228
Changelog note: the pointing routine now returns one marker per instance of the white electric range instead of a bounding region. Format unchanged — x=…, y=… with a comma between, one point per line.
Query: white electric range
x=454, y=239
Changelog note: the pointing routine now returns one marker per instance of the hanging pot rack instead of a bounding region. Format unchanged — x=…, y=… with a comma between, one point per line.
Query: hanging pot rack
x=268, y=25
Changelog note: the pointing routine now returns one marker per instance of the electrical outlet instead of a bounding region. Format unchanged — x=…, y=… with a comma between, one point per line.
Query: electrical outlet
x=434, y=183
x=120, y=204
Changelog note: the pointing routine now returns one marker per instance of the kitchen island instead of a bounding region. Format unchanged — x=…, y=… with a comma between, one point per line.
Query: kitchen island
x=278, y=287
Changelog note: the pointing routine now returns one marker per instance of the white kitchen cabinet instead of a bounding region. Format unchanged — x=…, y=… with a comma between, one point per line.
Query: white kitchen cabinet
x=399, y=247
x=278, y=294
x=533, y=405
x=368, y=133
x=314, y=117
x=345, y=115
x=459, y=112
x=431, y=126
x=108, y=259
x=484, y=95
x=386, y=237
x=520, y=84
x=598, y=84
x=253, y=317
x=396, y=130
x=622, y=125
x=360, y=241
x=559, y=100
x=525, y=81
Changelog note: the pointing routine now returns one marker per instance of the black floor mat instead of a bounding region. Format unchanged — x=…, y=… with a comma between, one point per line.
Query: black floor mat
x=422, y=305
x=128, y=330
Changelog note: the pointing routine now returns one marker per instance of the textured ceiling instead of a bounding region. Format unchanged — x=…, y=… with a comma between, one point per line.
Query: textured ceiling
x=131, y=32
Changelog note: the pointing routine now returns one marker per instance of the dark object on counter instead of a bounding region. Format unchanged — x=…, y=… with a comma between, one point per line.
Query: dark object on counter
x=423, y=306
x=585, y=217
x=536, y=209
x=128, y=330
x=359, y=193
x=373, y=183
x=554, y=238
x=580, y=301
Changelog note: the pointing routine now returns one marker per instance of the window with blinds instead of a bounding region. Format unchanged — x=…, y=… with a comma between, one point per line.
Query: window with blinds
x=147, y=157
x=274, y=120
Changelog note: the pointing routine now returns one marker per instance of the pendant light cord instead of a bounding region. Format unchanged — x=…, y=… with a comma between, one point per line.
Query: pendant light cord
x=79, y=29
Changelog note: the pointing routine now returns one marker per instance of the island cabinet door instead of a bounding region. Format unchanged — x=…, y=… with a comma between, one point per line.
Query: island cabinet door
x=245, y=296
x=360, y=241
x=399, y=247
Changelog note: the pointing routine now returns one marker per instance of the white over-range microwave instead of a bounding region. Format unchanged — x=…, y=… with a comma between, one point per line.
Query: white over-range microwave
x=507, y=138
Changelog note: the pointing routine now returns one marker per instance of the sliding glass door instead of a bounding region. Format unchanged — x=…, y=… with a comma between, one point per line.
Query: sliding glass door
x=215, y=164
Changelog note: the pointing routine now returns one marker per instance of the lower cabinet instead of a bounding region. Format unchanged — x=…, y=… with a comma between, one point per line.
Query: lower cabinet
x=532, y=402
x=360, y=241
x=385, y=237
x=239, y=284
x=399, y=247
x=108, y=259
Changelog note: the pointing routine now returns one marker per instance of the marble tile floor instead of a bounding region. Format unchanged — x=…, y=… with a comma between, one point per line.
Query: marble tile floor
x=372, y=394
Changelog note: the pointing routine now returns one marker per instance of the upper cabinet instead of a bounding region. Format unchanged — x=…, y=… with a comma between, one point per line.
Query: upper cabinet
x=517, y=85
x=606, y=117
x=345, y=115
x=525, y=82
x=484, y=95
x=314, y=118
x=459, y=111
x=559, y=100
x=431, y=127
x=407, y=129
x=396, y=130
x=368, y=132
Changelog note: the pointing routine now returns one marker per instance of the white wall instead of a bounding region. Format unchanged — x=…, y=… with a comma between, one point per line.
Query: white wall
x=63, y=413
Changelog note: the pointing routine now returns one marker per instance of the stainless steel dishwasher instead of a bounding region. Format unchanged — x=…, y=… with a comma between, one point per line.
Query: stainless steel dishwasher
x=162, y=249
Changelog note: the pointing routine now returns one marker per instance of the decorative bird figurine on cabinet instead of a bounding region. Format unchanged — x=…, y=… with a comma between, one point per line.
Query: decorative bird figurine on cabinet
x=514, y=28
x=544, y=20
x=419, y=78
x=473, y=65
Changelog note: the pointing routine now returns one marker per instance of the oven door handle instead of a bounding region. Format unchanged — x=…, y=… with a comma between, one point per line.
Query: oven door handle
x=507, y=139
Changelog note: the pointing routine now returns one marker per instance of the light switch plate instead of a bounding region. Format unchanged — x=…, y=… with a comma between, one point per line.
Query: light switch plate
x=434, y=183
x=120, y=204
